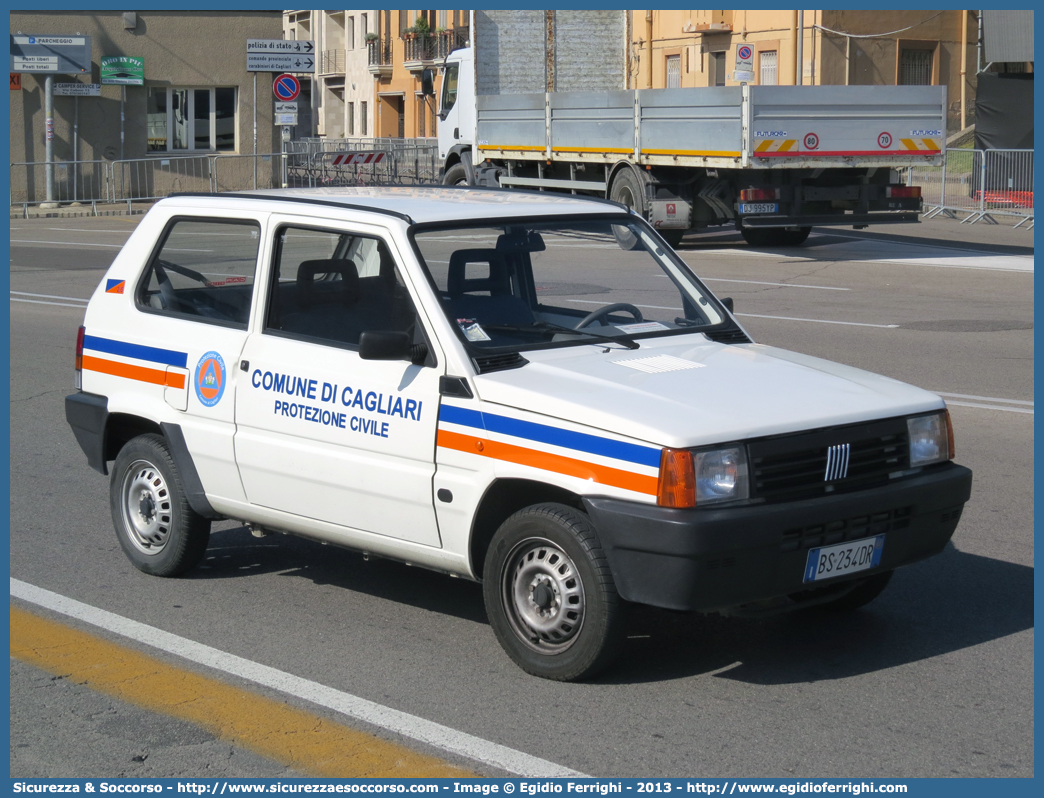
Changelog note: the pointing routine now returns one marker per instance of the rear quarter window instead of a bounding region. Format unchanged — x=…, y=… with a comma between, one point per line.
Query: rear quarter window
x=203, y=270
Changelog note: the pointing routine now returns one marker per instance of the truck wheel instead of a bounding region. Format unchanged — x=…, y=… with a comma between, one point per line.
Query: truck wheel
x=157, y=529
x=456, y=175
x=550, y=595
x=775, y=236
x=673, y=237
x=627, y=191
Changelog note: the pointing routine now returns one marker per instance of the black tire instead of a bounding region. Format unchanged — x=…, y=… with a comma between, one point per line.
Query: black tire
x=157, y=528
x=775, y=236
x=627, y=190
x=550, y=595
x=456, y=175
x=861, y=595
x=673, y=237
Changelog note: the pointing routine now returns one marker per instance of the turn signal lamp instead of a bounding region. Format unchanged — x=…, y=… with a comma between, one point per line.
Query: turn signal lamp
x=677, y=483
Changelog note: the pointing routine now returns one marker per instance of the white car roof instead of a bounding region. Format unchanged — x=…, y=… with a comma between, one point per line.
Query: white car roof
x=433, y=203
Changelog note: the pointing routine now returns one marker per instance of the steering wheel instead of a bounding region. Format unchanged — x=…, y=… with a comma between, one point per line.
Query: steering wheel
x=602, y=312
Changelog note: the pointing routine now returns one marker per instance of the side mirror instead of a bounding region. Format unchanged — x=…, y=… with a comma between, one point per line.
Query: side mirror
x=384, y=346
x=375, y=345
x=428, y=82
x=727, y=302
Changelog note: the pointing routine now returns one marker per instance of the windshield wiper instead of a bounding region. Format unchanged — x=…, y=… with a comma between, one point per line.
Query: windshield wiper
x=630, y=343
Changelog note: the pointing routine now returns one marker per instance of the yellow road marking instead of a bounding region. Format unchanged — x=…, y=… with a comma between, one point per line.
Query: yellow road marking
x=282, y=733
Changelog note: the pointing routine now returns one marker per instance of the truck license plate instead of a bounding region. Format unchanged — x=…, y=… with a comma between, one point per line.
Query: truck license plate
x=844, y=558
x=759, y=207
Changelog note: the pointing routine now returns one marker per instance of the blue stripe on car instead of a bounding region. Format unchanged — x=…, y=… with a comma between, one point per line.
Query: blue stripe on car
x=567, y=439
x=151, y=353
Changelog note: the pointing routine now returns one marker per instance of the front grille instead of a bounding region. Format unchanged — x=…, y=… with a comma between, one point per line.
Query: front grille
x=790, y=467
x=864, y=526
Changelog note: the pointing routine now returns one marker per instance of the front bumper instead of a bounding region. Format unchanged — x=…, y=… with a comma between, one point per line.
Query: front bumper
x=719, y=559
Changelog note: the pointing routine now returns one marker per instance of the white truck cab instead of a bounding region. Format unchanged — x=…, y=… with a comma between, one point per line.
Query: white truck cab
x=531, y=390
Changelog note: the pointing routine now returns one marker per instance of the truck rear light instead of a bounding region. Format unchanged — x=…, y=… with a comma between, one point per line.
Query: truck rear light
x=677, y=484
x=79, y=356
x=759, y=194
x=903, y=192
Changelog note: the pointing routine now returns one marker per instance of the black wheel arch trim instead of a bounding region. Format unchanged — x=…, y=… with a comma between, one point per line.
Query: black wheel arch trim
x=190, y=482
x=88, y=415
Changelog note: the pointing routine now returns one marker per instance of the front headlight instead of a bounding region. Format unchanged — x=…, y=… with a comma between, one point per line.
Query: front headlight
x=931, y=439
x=721, y=475
x=693, y=479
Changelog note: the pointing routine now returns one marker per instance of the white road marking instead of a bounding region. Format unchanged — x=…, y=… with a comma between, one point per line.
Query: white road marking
x=425, y=731
x=821, y=321
x=991, y=407
x=65, y=243
x=42, y=302
x=752, y=315
x=50, y=296
x=781, y=285
x=985, y=398
x=86, y=244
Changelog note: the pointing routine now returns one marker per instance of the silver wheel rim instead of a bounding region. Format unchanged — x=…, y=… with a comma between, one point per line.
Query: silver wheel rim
x=147, y=508
x=543, y=596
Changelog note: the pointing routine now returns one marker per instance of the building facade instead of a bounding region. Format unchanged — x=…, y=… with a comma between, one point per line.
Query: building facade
x=197, y=97
x=699, y=48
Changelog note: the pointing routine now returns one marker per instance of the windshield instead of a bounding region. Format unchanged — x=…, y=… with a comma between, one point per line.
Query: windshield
x=523, y=285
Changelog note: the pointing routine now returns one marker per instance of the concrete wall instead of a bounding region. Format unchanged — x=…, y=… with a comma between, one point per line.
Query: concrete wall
x=191, y=49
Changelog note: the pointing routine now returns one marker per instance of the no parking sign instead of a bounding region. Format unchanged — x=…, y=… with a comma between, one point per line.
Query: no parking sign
x=286, y=88
x=744, y=63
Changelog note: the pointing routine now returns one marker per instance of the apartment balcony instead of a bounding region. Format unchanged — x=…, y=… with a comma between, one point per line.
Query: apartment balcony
x=332, y=62
x=420, y=52
x=450, y=40
x=379, y=54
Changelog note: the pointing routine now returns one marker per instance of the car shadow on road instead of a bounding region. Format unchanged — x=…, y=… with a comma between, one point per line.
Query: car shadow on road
x=945, y=604
x=233, y=554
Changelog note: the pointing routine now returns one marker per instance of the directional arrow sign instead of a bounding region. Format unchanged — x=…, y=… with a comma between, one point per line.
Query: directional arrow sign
x=279, y=62
x=280, y=46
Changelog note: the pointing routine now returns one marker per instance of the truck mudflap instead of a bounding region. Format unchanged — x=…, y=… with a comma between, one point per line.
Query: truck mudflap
x=722, y=559
x=827, y=219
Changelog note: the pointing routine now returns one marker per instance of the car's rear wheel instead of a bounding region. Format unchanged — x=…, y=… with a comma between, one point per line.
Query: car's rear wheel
x=550, y=595
x=157, y=528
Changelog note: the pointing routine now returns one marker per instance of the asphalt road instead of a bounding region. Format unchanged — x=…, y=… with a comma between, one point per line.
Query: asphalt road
x=935, y=678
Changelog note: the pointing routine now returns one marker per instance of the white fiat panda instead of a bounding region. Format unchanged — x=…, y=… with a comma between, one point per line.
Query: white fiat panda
x=530, y=390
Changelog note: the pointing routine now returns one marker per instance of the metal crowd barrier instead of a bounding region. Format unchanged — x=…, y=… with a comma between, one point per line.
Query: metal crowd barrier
x=154, y=178
x=74, y=181
x=979, y=185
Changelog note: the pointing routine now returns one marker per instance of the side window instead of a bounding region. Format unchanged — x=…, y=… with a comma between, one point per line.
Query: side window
x=333, y=286
x=205, y=270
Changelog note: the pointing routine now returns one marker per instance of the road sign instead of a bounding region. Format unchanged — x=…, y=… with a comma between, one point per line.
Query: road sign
x=77, y=89
x=286, y=119
x=280, y=46
x=62, y=55
x=286, y=88
x=16, y=82
x=123, y=70
x=279, y=62
x=286, y=108
x=744, y=64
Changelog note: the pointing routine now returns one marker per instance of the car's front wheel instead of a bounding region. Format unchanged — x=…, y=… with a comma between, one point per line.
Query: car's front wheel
x=157, y=528
x=550, y=595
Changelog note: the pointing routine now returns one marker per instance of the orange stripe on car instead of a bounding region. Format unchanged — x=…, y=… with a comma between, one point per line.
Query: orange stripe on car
x=546, y=461
x=139, y=373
